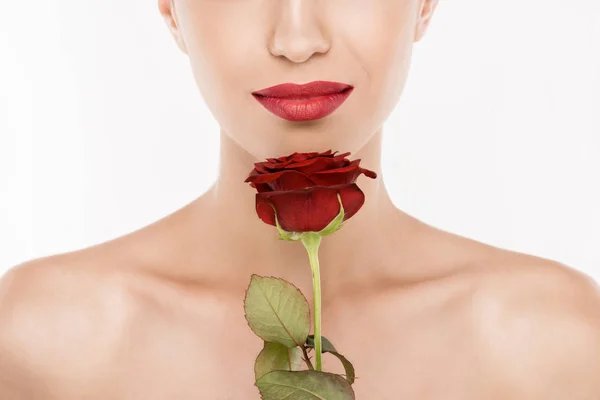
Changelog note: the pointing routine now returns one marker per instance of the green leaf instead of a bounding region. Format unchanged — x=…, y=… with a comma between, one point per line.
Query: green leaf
x=277, y=311
x=327, y=347
x=275, y=356
x=304, y=385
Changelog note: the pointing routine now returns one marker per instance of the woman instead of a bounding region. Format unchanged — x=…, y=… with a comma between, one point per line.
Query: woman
x=422, y=313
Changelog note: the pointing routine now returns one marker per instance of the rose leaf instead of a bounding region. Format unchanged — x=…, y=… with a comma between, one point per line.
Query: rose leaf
x=327, y=347
x=304, y=385
x=275, y=356
x=277, y=311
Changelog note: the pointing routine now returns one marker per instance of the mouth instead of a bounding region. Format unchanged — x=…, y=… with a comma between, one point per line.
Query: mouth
x=311, y=101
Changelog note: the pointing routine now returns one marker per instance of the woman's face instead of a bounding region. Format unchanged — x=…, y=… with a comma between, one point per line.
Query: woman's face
x=237, y=47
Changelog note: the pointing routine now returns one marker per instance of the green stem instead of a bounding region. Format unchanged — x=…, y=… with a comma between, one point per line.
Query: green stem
x=311, y=242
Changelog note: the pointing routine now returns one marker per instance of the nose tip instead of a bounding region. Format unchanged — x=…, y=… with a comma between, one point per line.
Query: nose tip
x=298, y=49
x=297, y=35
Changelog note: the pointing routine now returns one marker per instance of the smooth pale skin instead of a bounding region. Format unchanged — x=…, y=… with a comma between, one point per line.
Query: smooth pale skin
x=422, y=313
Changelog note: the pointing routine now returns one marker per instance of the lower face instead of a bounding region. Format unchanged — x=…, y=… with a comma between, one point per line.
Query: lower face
x=366, y=44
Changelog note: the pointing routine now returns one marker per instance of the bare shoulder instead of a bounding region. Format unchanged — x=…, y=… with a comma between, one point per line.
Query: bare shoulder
x=59, y=318
x=537, y=324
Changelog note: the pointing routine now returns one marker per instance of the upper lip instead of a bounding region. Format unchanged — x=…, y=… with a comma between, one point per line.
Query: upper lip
x=311, y=89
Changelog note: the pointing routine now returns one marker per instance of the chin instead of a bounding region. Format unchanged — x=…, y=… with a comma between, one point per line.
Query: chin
x=316, y=140
x=307, y=147
x=304, y=137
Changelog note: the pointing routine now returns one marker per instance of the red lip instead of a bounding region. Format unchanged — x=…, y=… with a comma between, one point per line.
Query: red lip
x=307, y=102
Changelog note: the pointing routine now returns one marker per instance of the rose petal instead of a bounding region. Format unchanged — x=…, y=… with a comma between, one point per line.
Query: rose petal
x=252, y=174
x=311, y=166
x=340, y=176
x=276, y=166
x=261, y=168
x=341, y=156
x=310, y=209
x=262, y=178
x=283, y=180
x=291, y=180
x=352, y=198
x=265, y=210
x=303, y=163
x=369, y=173
x=261, y=187
x=297, y=157
x=339, y=164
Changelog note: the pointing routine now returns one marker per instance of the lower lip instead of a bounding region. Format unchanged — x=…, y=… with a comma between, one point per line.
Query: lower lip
x=304, y=109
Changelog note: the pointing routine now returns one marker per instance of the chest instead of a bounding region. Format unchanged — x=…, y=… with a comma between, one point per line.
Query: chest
x=425, y=358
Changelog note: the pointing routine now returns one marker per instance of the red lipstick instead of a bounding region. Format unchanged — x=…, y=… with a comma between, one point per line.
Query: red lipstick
x=307, y=102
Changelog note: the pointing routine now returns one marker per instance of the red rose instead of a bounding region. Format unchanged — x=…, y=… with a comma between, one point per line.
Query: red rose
x=303, y=189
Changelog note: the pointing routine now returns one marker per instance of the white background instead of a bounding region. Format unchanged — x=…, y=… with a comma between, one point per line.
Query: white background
x=496, y=137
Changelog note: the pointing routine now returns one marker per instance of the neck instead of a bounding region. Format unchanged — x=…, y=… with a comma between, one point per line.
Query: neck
x=229, y=211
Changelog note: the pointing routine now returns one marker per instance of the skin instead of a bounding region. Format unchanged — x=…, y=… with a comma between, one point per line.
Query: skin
x=422, y=313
